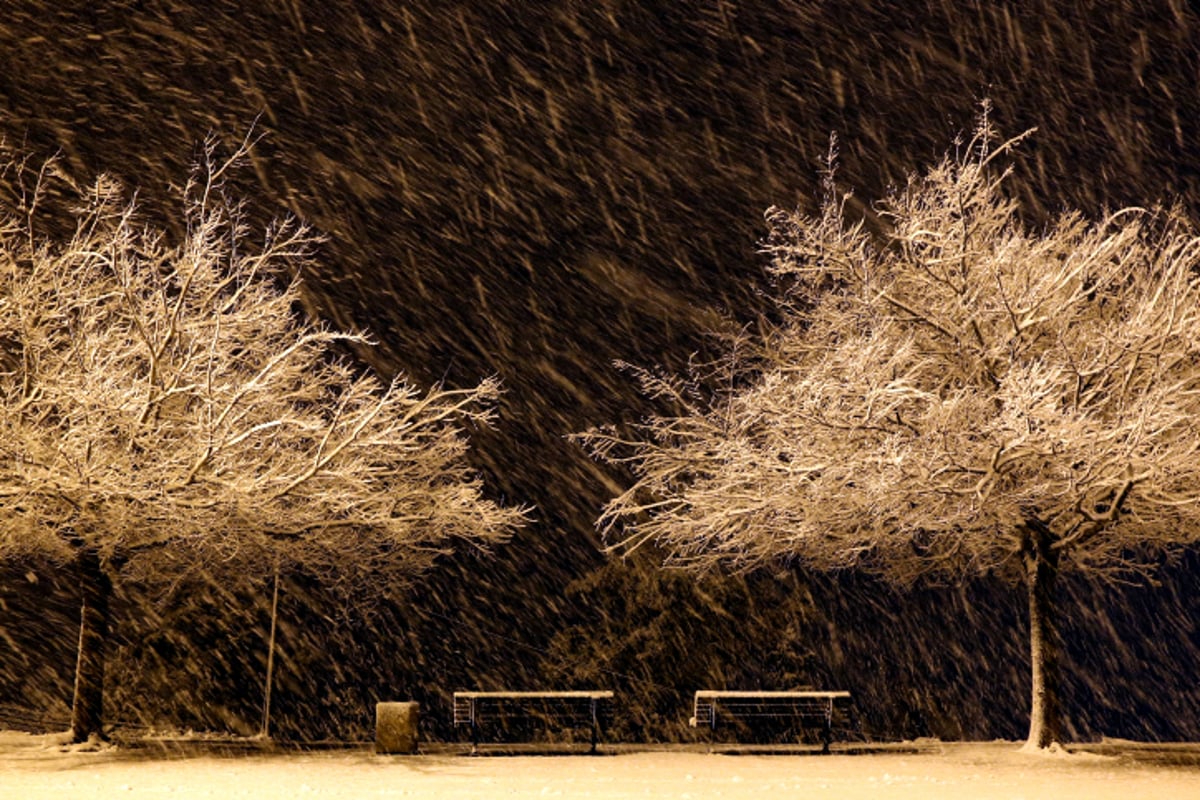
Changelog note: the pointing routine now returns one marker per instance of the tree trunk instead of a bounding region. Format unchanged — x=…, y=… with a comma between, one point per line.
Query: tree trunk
x=87, y=707
x=1041, y=574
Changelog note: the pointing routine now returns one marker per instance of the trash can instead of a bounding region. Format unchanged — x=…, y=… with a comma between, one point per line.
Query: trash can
x=396, y=728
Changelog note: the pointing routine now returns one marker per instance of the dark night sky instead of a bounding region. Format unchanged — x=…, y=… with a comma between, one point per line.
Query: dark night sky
x=534, y=190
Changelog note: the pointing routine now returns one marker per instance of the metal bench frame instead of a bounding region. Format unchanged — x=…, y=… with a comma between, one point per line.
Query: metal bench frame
x=467, y=708
x=800, y=704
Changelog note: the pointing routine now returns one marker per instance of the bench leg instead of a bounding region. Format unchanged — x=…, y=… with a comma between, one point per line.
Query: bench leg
x=595, y=728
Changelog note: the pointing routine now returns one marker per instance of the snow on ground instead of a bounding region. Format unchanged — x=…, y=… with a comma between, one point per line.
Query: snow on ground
x=34, y=767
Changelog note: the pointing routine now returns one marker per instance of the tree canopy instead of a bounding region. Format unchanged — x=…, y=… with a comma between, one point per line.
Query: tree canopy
x=969, y=395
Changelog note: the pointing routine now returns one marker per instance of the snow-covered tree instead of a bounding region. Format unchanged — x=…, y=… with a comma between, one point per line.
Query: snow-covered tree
x=969, y=395
x=173, y=399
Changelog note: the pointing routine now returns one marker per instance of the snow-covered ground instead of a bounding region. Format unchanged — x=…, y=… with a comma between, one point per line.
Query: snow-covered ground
x=33, y=767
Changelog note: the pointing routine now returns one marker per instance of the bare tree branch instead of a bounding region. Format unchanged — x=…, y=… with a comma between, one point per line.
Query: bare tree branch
x=163, y=396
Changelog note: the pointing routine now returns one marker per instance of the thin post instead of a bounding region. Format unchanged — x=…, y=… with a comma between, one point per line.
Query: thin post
x=265, y=732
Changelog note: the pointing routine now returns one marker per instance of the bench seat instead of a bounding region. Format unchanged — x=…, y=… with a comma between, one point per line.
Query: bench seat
x=566, y=709
x=805, y=706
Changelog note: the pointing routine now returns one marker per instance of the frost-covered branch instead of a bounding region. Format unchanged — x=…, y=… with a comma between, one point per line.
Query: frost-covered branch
x=967, y=378
x=156, y=395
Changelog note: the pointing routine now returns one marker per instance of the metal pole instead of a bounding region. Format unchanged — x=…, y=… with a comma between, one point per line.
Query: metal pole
x=265, y=732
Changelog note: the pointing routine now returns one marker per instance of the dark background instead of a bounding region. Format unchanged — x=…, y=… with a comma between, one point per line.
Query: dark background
x=534, y=190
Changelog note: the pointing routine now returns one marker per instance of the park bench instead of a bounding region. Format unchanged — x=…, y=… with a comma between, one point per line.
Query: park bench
x=807, y=708
x=497, y=710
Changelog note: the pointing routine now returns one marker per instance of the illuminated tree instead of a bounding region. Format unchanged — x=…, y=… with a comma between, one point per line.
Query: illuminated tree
x=968, y=396
x=172, y=399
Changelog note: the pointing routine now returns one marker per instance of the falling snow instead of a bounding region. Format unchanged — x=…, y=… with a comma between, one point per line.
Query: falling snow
x=531, y=191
